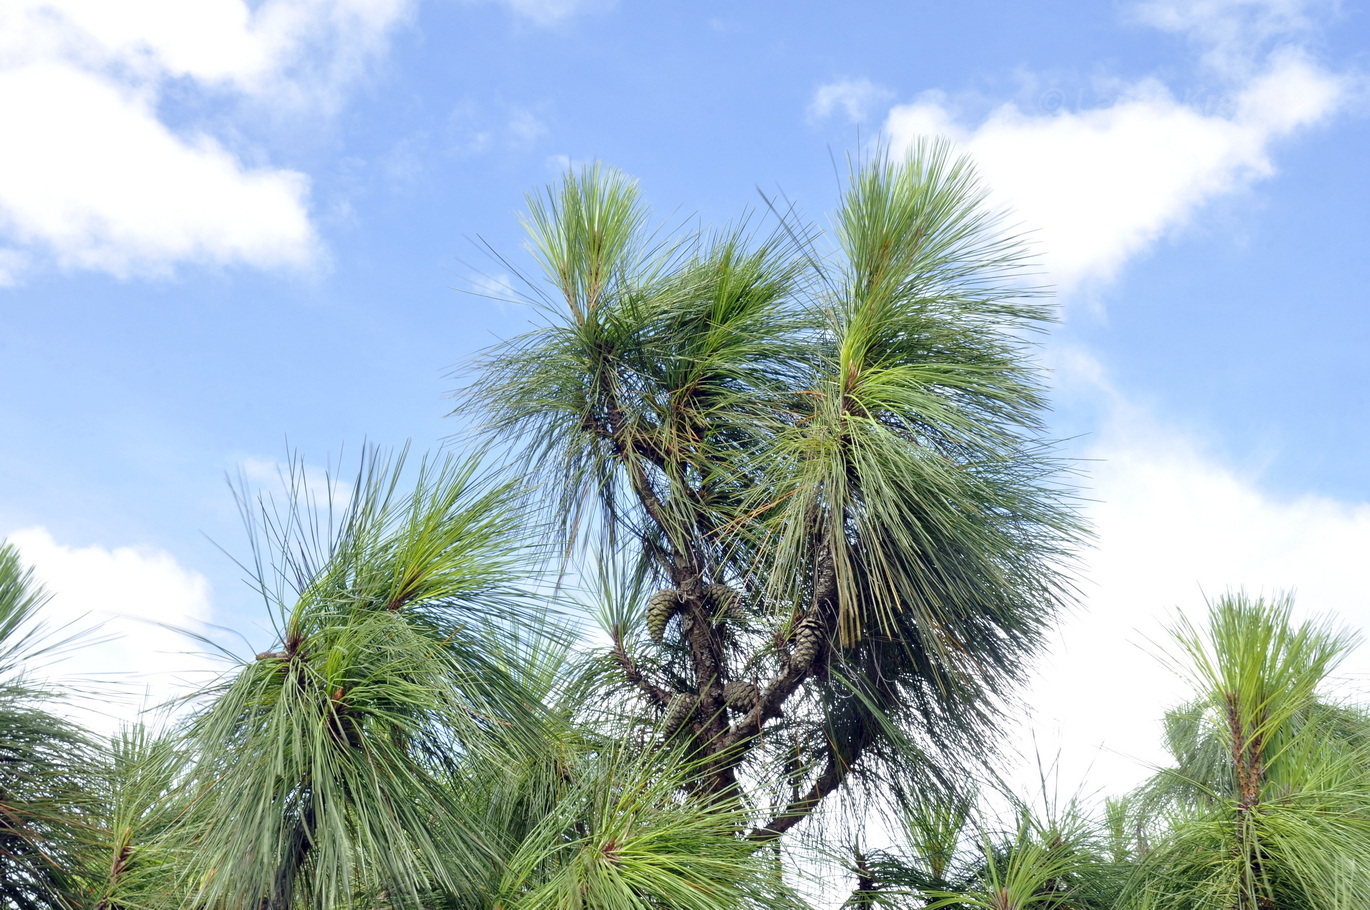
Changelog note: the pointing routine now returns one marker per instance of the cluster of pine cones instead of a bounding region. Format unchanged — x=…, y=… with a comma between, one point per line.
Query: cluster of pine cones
x=664, y=604
x=739, y=695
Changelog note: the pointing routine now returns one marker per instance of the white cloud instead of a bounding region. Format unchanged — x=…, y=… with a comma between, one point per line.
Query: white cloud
x=561, y=165
x=136, y=599
x=1175, y=524
x=288, y=48
x=498, y=288
x=99, y=182
x=854, y=97
x=473, y=128
x=405, y=166
x=92, y=177
x=525, y=128
x=1098, y=187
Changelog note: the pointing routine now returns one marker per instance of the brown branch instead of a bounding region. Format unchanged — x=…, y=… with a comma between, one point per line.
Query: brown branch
x=832, y=777
x=122, y=859
x=864, y=895
x=633, y=674
x=687, y=573
x=768, y=706
x=1246, y=755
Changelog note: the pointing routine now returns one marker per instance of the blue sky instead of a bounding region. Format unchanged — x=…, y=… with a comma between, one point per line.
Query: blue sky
x=229, y=230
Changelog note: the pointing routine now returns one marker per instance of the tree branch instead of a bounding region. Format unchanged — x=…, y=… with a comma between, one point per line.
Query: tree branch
x=832, y=777
x=633, y=674
x=687, y=573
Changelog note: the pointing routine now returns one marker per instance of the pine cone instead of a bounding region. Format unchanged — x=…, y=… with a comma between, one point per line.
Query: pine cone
x=660, y=609
x=740, y=695
x=678, y=712
x=808, y=637
x=727, y=602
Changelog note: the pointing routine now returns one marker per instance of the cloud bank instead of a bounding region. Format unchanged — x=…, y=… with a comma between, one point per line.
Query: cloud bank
x=1097, y=188
x=1174, y=525
x=99, y=180
x=143, y=609
x=101, y=184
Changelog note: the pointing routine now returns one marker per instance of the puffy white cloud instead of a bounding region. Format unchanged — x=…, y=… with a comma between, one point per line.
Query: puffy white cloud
x=94, y=178
x=1176, y=525
x=1099, y=187
x=102, y=184
x=140, y=604
x=276, y=47
x=856, y=98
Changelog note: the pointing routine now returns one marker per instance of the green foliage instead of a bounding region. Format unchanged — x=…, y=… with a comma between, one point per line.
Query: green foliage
x=43, y=759
x=807, y=487
x=1268, y=804
x=917, y=440
x=583, y=816
x=136, y=795
x=321, y=766
x=625, y=833
x=1049, y=858
x=848, y=438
